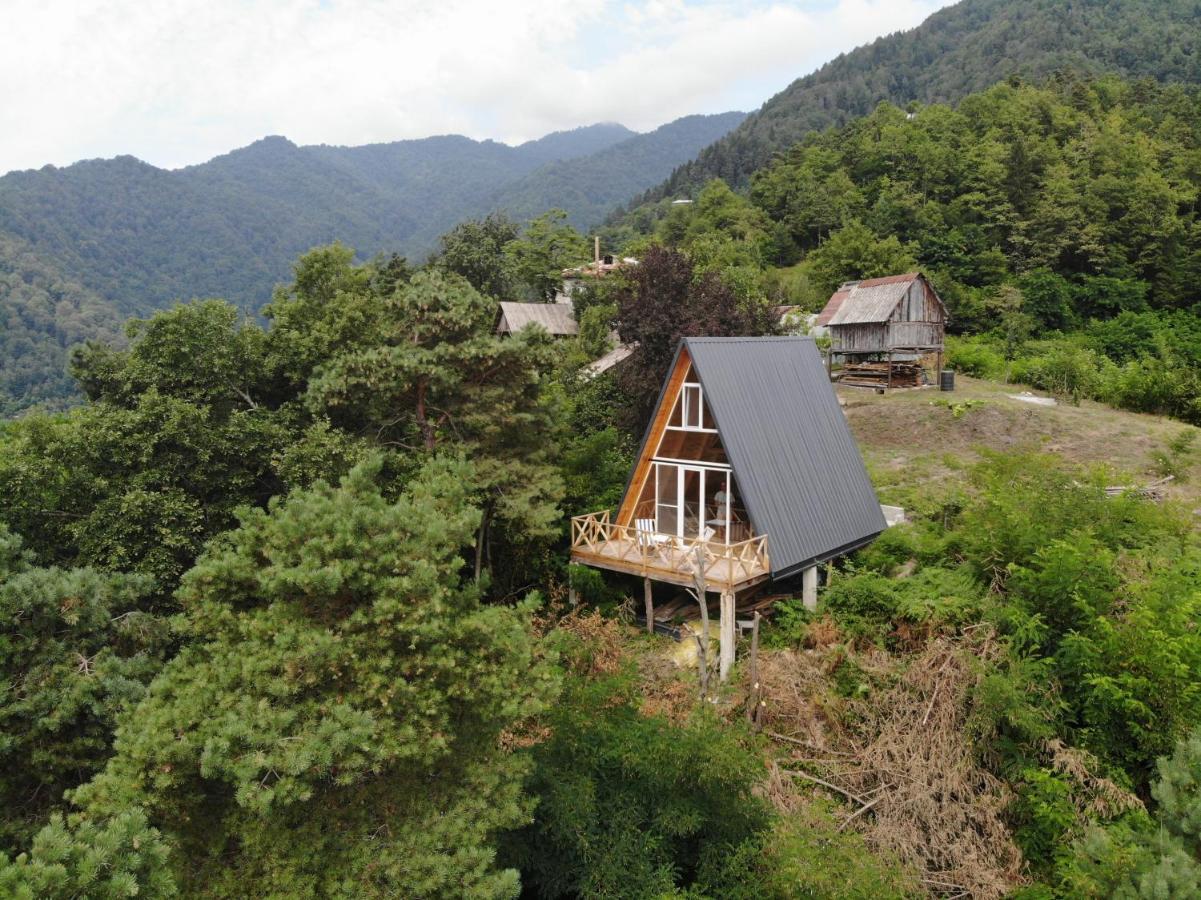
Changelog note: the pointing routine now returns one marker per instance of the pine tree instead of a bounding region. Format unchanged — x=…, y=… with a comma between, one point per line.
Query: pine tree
x=334, y=726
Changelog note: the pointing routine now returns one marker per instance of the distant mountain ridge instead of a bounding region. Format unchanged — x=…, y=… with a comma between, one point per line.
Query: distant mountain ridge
x=956, y=51
x=86, y=246
x=143, y=237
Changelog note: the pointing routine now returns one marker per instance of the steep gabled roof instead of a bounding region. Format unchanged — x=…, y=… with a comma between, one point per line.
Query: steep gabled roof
x=557, y=318
x=873, y=300
x=797, y=465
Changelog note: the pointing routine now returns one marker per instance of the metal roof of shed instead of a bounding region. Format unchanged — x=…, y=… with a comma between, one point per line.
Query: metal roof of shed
x=557, y=318
x=798, y=467
x=835, y=301
x=873, y=300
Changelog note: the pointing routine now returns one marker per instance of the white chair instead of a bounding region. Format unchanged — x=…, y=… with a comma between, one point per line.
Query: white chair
x=648, y=538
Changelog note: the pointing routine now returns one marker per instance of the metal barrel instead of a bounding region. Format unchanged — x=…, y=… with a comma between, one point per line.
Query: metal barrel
x=947, y=382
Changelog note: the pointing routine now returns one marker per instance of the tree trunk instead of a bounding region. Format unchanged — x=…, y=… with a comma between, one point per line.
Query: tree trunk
x=423, y=422
x=480, y=537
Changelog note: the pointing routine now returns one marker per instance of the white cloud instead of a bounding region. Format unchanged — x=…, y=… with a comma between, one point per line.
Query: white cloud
x=175, y=82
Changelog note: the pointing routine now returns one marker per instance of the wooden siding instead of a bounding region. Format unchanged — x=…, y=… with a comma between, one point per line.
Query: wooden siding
x=916, y=323
x=642, y=470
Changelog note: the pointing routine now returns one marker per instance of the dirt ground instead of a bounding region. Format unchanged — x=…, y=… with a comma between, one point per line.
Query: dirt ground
x=913, y=436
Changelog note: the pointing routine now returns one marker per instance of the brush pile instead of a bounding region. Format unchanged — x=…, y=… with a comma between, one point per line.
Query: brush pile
x=906, y=766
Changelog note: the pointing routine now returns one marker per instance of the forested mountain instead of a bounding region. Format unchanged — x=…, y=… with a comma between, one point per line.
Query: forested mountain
x=86, y=246
x=42, y=314
x=143, y=237
x=958, y=50
x=1058, y=222
x=585, y=186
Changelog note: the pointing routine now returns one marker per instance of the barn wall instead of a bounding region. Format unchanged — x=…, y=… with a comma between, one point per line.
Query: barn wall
x=866, y=337
x=917, y=320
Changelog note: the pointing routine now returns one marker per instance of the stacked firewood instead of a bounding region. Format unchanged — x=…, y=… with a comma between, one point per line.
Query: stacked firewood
x=875, y=374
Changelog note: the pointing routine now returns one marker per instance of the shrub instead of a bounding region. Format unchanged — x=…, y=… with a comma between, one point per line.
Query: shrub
x=808, y=857
x=974, y=356
x=632, y=805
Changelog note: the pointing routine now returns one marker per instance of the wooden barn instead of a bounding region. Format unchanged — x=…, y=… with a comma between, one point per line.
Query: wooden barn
x=747, y=472
x=893, y=321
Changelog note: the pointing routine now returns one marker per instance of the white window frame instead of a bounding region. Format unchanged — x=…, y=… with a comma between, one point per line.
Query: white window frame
x=704, y=471
x=690, y=404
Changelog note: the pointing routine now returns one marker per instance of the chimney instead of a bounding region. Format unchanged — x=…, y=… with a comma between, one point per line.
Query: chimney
x=596, y=249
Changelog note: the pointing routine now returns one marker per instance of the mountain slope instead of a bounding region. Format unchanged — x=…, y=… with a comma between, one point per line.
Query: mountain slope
x=959, y=50
x=42, y=314
x=86, y=246
x=586, y=186
x=142, y=237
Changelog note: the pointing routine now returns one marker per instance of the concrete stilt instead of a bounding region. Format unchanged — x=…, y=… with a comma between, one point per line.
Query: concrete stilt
x=727, y=634
x=809, y=588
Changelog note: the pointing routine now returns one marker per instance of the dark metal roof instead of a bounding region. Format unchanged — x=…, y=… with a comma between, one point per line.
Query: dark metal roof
x=797, y=465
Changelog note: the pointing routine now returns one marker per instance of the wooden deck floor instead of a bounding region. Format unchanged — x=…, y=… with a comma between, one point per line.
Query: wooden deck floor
x=598, y=543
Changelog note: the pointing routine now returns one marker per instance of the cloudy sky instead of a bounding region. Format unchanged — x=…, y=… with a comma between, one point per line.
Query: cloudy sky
x=176, y=82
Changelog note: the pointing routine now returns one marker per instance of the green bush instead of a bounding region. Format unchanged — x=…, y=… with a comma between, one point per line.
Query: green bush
x=975, y=356
x=631, y=805
x=808, y=857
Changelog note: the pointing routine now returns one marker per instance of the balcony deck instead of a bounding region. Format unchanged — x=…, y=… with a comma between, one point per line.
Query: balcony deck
x=597, y=541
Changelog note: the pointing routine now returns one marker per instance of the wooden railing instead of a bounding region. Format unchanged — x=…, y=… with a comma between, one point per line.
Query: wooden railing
x=598, y=540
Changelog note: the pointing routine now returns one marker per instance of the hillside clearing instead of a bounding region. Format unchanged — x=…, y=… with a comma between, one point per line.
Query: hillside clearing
x=912, y=438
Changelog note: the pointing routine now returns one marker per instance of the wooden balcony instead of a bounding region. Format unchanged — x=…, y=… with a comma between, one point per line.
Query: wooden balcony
x=598, y=541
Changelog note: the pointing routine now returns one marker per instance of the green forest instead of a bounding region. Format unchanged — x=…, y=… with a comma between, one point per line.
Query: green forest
x=286, y=595
x=961, y=49
x=289, y=608
x=1058, y=221
x=85, y=247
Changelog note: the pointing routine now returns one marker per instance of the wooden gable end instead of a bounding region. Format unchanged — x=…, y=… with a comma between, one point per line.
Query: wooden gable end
x=654, y=435
x=920, y=303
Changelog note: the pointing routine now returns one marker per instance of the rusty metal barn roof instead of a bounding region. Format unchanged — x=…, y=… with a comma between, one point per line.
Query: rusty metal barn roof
x=557, y=318
x=872, y=300
x=835, y=301
x=797, y=465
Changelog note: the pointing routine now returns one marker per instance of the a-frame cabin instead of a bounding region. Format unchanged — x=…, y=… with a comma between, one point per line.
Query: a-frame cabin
x=747, y=472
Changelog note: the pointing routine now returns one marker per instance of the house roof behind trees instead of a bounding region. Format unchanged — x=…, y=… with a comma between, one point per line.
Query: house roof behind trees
x=797, y=465
x=556, y=318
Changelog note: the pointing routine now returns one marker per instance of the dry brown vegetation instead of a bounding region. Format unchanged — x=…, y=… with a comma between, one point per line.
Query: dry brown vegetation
x=903, y=761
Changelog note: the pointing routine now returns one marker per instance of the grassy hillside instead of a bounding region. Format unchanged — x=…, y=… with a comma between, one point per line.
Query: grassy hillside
x=957, y=51
x=914, y=440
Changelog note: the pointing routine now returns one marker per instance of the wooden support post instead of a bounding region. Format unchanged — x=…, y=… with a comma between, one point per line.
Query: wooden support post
x=754, y=703
x=727, y=635
x=650, y=605
x=938, y=371
x=809, y=588
x=890, y=370
x=830, y=362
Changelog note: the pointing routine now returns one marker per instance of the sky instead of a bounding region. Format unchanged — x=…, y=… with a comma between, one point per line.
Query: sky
x=176, y=82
